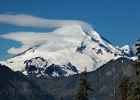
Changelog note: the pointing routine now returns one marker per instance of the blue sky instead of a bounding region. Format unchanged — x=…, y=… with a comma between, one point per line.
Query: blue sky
x=116, y=20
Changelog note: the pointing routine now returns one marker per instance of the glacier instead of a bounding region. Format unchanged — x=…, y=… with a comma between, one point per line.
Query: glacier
x=67, y=51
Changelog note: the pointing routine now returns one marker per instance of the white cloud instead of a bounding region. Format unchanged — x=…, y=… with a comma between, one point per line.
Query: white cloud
x=32, y=21
x=29, y=39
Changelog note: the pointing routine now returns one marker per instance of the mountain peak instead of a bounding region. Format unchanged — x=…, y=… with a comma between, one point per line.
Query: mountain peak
x=67, y=50
x=127, y=50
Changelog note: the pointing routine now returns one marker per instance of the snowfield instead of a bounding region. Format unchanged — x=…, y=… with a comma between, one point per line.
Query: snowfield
x=66, y=51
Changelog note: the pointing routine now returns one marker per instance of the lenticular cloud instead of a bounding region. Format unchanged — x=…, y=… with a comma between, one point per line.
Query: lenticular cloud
x=32, y=21
x=29, y=39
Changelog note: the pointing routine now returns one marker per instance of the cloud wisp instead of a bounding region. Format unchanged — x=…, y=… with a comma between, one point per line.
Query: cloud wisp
x=32, y=21
x=27, y=39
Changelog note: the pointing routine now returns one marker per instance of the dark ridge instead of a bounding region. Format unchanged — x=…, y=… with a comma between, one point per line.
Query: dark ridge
x=16, y=86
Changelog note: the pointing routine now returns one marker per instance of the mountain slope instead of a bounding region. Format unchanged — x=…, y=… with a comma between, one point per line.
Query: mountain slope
x=15, y=86
x=67, y=50
x=103, y=80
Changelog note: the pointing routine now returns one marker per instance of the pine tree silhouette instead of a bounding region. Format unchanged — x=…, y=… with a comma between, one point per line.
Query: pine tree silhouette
x=135, y=86
x=84, y=87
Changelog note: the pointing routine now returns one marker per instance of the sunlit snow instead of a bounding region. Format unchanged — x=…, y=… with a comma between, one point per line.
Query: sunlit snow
x=82, y=47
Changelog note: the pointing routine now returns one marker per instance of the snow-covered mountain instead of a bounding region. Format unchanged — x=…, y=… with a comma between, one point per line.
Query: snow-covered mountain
x=127, y=50
x=68, y=50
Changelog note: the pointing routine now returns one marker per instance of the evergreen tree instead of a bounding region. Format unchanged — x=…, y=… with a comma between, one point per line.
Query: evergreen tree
x=84, y=87
x=123, y=88
x=135, y=86
x=136, y=65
